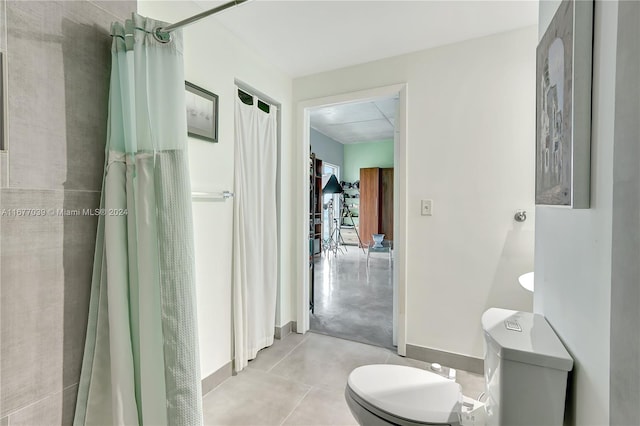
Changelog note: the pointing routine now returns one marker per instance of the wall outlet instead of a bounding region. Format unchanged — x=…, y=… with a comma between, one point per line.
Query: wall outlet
x=426, y=207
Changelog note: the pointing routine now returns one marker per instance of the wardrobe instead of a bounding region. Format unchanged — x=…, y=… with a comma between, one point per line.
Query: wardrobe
x=376, y=203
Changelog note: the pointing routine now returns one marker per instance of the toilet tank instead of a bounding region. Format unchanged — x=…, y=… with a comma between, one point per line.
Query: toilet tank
x=525, y=369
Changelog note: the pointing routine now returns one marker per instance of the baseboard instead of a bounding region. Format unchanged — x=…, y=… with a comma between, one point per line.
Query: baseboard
x=449, y=359
x=215, y=378
x=285, y=330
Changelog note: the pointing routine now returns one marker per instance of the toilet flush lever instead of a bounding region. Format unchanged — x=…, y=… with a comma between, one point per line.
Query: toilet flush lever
x=512, y=325
x=520, y=216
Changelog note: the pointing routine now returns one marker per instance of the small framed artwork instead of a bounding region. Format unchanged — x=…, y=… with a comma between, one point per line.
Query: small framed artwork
x=563, y=107
x=202, y=113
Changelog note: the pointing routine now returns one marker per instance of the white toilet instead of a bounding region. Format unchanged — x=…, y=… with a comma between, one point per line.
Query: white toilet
x=525, y=371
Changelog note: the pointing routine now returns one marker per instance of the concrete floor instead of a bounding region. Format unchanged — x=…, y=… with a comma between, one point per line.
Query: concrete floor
x=300, y=380
x=352, y=301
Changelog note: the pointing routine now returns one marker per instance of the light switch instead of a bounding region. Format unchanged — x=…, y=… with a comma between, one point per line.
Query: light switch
x=426, y=207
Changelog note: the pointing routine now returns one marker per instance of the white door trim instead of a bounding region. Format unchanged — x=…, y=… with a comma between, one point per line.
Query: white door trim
x=400, y=201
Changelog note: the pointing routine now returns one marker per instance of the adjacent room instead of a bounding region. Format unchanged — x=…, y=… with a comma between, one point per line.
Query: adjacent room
x=351, y=192
x=258, y=212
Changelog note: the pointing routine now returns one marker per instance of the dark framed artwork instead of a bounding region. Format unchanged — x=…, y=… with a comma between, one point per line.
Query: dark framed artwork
x=563, y=107
x=202, y=113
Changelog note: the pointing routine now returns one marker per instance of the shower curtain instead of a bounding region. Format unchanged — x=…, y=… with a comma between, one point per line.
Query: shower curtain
x=255, y=244
x=140, y=362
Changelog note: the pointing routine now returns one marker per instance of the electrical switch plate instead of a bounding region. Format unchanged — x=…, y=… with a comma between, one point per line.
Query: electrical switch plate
x=425, y=207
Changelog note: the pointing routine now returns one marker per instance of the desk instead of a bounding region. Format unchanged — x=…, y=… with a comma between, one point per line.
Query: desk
x=387, y=247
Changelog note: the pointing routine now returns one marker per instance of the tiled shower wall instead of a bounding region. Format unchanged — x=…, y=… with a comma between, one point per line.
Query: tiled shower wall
x=58, y=62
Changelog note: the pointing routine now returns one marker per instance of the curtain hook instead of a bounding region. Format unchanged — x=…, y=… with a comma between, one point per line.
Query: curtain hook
x=161, y=36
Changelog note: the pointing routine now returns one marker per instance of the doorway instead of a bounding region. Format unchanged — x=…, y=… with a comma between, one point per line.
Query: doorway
x=354, y=269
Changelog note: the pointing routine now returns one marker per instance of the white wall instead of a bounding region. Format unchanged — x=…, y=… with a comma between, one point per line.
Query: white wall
x=573, y=247
x=213, y=59
x=471, y=118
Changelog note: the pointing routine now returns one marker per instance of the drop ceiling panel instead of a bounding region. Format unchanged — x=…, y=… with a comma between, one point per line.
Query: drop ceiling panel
x=387, y=106
x=358, y=121
x=363, y=128
x=348, y=113
x=362, y=131
x=375, y=137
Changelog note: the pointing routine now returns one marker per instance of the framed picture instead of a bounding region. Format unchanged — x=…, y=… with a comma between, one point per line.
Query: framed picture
x=202, y=113
x=563, y=107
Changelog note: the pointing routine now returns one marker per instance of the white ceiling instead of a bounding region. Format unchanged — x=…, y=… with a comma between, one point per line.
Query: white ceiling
x=358, y=121
x=308, y=36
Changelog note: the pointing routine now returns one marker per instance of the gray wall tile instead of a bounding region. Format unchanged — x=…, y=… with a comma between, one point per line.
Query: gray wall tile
x=35, y=73
x=3, y=25
x=3, y=170
x=59, y=64
x=45, y=281
x=69, y=404
x=78, y=245
x=119, y=8
x=57, y=409
x=32, y=303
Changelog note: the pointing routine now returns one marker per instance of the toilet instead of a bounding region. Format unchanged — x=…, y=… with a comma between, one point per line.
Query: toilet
x=525, y=371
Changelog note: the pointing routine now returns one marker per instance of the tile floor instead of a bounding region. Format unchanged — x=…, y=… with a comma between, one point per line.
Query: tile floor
x=354, y=301
x=300, y=380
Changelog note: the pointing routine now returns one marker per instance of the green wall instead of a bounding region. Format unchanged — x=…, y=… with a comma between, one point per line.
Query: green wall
x=367, y=154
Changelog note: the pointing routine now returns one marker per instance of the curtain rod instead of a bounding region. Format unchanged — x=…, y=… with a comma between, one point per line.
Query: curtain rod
x=163, y=34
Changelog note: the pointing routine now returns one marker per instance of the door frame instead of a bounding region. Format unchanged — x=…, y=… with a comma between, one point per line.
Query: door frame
x=399, y=202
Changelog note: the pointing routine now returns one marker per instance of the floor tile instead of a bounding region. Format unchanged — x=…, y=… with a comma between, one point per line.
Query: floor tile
x=472, y=384
x=321, y=407
x=301, y=381
x=252, y=398
x=324, y=361
x=268, y=357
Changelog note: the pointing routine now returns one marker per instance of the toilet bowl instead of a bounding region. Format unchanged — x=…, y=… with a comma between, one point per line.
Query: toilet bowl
x=385, y=394
x=525, y=371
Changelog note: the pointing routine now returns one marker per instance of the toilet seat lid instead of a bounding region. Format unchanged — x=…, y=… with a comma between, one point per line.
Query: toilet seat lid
x=408, y=392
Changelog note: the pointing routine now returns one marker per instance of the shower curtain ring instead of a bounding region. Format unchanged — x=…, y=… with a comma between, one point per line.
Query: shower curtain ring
x=161, y=36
